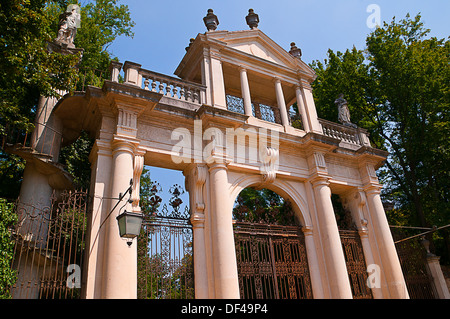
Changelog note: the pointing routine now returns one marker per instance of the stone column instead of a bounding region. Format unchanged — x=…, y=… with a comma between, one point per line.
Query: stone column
x=101, y=163
x=389, y=258
x=120, y=259
x=368, y=256
x=206, y=76
x=438, y=277
x=196, y=179
x=313, y=263
x=314, y=124
x=281, y=102
x=224, y=255
x=217, y=80
x=245, y=91
x=334, y=255
x=302, y=109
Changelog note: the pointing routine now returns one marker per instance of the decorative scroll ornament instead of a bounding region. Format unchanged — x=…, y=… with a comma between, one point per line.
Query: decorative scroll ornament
x=269, y=164
x=137, y=171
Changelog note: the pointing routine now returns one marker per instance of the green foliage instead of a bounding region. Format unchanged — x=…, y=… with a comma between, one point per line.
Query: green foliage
x=76, y=159
x=398, y=89
x=7, y=275
x=27, y=70
x=263, y=206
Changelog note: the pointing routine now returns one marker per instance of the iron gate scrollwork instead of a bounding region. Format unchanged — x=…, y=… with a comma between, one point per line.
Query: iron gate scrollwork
x=356, y=265
x=49, y=247
x=412, y=256
x=272, y=262
x=165, y=256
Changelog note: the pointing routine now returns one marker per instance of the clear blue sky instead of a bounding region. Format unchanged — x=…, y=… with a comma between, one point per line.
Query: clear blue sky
x=163, y=30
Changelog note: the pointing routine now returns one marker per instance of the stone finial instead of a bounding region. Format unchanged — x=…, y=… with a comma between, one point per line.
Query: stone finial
x=191, y=40
x=211, y=21
x=295, y=52
x=252, y=19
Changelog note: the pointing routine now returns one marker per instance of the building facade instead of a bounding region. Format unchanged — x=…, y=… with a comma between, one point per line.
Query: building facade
x=225, y=121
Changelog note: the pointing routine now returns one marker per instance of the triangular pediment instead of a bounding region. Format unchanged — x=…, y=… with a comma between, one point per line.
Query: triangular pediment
x=256, y=43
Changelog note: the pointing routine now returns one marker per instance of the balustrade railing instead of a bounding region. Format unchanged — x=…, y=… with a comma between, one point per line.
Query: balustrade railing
x=351, y=135
x=169, y=86
x=173, y=88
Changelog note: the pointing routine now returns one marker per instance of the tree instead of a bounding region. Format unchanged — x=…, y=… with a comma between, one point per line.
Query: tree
x=7, y=275
x=397, y=88
x=263, y=205
x=28, y=71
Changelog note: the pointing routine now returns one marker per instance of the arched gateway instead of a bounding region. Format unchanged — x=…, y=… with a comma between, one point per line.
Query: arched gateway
x=225, y=122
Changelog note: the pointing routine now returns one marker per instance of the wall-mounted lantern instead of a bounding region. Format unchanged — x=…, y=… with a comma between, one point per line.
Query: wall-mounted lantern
x=130, y=225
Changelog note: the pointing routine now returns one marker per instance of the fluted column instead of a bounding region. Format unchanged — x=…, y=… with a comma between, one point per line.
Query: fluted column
x=120, y=260
x=389, y=258
x=245, y=91
x=281, y=102
x=333, y=253
x=224, y=255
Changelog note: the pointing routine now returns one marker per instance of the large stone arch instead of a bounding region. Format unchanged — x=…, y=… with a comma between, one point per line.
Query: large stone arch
x=282, y=187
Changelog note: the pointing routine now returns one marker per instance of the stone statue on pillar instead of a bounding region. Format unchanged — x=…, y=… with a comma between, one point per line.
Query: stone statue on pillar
x=69, y=22
x=343, y=112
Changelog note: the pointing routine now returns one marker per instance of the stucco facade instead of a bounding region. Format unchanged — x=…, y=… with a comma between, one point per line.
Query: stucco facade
x=183, y=123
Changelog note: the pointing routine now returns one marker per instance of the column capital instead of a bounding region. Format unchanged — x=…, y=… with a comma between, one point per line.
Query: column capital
x=307, y=230
x=373, y=189
x=198, y=220
x=319, y=180
x=276, y=80
x=124, y=143
x=215, y=165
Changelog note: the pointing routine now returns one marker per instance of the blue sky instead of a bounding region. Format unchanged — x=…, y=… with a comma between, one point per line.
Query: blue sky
x=163, y=30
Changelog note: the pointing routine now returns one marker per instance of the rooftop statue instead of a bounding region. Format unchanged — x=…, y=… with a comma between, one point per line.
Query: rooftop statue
x=343, y=112
x=69, y=22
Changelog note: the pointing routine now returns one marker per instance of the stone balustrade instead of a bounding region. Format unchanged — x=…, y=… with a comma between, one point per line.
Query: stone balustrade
x=173, y=87
x=349, y=135
x=169, y=86
x=178, y=89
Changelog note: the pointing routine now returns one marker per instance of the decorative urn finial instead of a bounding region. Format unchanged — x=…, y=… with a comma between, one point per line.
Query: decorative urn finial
x=295, y=52
x=211, y=21
x=252, y=19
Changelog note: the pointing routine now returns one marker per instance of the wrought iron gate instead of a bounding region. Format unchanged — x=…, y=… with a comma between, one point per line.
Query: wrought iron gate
x=356, y=265
x=49, y=246
x=412, y=256
x=165, y=256
x=272, y=261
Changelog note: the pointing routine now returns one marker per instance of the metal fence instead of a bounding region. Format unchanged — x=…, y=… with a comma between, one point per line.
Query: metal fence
x=165, y=256
x=49, y=245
